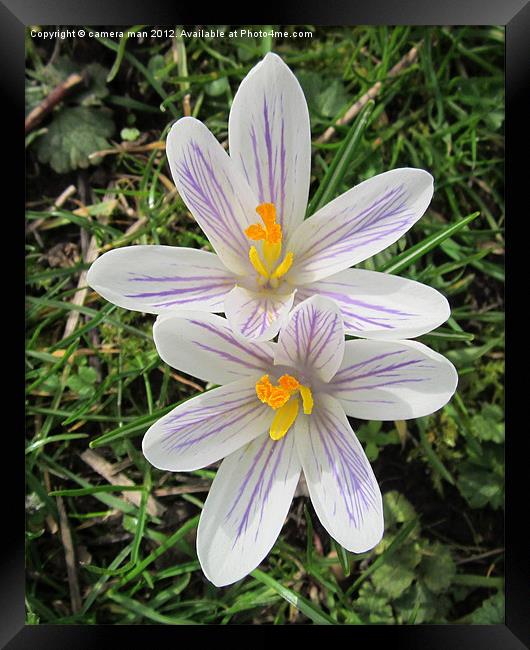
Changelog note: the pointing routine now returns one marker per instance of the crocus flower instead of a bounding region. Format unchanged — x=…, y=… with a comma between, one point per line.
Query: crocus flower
x=251, y=206
x=281, y=409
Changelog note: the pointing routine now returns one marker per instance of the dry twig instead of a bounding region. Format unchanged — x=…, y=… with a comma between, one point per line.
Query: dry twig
x=407, y=60
x=58, y=203
x=69, y=556
x=50, y=102
x=106, y=469
x=183, y=489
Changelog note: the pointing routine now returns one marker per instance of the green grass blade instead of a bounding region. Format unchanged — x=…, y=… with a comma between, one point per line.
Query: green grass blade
x=121, y=51
x=400, y=538
x=341, y=162
x=58, y=438
x=305, y=606
x=411, y=255
x=169, y=543
x=143, y=611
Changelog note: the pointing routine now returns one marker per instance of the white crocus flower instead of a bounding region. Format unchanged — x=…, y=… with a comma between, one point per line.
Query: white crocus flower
x=281, y=409
x=251, y=206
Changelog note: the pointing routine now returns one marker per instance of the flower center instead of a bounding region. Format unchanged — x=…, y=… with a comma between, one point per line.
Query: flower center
x=271, y=236
x=283, y=398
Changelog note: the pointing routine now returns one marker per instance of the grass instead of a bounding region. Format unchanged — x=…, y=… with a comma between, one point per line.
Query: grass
x=95, y=382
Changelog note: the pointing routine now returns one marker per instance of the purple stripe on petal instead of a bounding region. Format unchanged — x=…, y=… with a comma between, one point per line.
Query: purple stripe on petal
x=358, y=313
x=270, y=464
x=219, y=419
x=313, y=340
x=334, y=449
x=261, y=358
x=203, y=289
x=382, y=218
x=256, y=315
x=189, y=289
x=405, y=378
x=383, y=372
x=257, y=165
x=268, y=144
x=211, y=193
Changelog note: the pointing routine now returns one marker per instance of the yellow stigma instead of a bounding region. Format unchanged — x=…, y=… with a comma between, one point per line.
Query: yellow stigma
x=284, y=401
x=256, y=262
x=284, y=419
x=307, y=399
x=271, y=236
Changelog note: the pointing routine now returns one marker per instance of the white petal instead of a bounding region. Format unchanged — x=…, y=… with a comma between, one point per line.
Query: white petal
x=153, y=279
x=313, y=339
x=246, y=508
x=204, y=346
x=207, y=427
x=270, y=139
x=214, y=190
x=380, y=305
x=392, y=380
x=340, y=480
x=257, y=316
x=359, y=223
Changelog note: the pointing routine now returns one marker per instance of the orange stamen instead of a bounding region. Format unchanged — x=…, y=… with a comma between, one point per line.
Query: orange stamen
x=272, y=233
x=278, y=397
x=263, y=389
x=267, y=211
x=284, y=401
x=288, y=382
x=256, y=232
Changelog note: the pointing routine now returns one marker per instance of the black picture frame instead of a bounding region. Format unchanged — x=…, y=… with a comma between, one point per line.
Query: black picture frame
x=15, y=15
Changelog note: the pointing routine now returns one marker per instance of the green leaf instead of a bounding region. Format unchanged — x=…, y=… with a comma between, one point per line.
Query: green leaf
x=389, y=547
x=83, y=382
x=397, y=509
x=418, y=605
x=481, y=486
x=72, y=136
x=375, y=439
x=487, y=425
x=325, y=97
x=129, y=134
x=373, y=607
x=96, y=80
x=437, y=567
x=217, y=87
x=156, y=63
x=398, y=572
x=491, y=612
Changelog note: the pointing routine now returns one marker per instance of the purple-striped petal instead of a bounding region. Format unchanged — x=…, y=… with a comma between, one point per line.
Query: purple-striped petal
x=379, y=305
x=392, y=380
x=207, y=427
x=359, y=223
x=154, y=279
x=257, y=316
x=270, y=139
x=340, y=480
x=203, y=345
x=313, y=340
x=246, y=507
x=214, y=190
